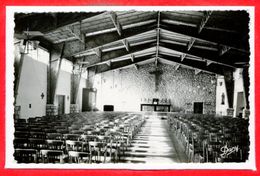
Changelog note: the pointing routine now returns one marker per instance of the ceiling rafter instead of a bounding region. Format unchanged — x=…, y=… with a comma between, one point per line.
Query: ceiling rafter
x=204, y=20
x=136, y=66
x=128, y=64
x=75, y=23
x=179, y=41
x=190, y=43
x=197, y=71
x=183, y=56
x=176, y=22
x=208, y=62
x=177, y=66
x=116, y=22
x=223, y=49
x=108, y=63
x=126, y=44
x=187, y=66
x=129, y=26
x=98, y=52
x=209, y=57
x=68, y=39
x=123, y=41
x=203, y=40
x=157, y=38
x=193, y=57
x=131, y=56
x=77, y=37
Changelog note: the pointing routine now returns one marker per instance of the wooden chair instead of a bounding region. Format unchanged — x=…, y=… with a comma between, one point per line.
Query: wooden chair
x=79, y=157
x=96, y=149
x=52, y=156
x=21, y=134
x=37, y=135
x=21, y=143
x=55, y=144
x=56, y=136
x=25, y=155
x=38, y=144
x=73, y=137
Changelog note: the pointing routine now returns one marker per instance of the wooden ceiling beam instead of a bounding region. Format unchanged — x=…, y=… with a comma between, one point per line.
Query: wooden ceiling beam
x=187, y=66
x=125, y=64
x=185, y=55
x=197, y=71
x=68, y=39
x=223, y=49
x=108, y=63
x=157, y=38
x=129, y=26
x=125, y=42
x=131, y=56
x=208, y=62
x=76, y=22
x=205, y=54
x=156, y=62
x=204, y=20
x=182, y=23
x=136, y=66
x=190, y=43
x=169, y=30
x=177, y=66
x=77, y=37
x=98, y=52
x=116, y=22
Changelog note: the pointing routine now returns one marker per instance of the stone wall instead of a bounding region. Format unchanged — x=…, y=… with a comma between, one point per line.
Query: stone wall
x=126, y=89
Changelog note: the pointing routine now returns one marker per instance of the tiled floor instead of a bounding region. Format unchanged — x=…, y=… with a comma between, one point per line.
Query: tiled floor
x=153, y=144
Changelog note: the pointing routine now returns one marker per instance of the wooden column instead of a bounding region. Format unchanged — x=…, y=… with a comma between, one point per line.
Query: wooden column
x=75, y=86
x=54, y=88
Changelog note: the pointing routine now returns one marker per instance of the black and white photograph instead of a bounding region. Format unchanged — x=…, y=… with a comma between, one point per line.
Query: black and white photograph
x=111, y=87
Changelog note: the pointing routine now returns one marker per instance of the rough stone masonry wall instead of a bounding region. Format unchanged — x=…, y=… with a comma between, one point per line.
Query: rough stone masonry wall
x=126, y=89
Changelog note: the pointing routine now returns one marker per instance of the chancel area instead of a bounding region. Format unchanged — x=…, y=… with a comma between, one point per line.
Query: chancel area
x=131, y=86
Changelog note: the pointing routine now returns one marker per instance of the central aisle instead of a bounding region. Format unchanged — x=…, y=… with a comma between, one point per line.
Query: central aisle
x=153, y=144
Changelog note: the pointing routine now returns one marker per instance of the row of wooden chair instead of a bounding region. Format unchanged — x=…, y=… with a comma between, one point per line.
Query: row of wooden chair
x=207, y=138
x=84, y=137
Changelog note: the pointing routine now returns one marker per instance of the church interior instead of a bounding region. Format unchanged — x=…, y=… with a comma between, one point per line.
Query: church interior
x=131, y=87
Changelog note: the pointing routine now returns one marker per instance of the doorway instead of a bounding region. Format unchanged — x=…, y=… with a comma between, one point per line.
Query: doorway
x=198, y=108
x=240, y=104
x=61, y=104
x=88, y=99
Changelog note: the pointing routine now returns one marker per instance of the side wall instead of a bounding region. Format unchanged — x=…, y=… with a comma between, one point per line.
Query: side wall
x=33, y=83
x=239, y=104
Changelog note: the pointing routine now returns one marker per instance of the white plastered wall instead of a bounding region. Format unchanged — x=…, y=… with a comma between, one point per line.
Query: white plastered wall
x=238, y=87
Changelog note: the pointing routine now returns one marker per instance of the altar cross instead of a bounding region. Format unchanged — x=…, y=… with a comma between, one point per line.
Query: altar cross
x=156, y=74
